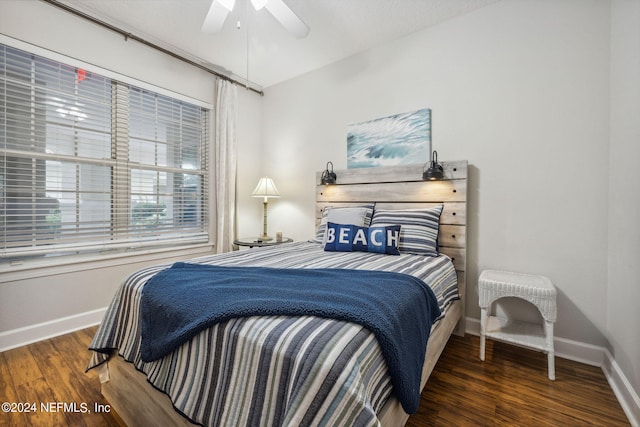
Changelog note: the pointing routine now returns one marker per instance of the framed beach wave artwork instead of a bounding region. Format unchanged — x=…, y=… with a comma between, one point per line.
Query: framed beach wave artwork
x=400, y=139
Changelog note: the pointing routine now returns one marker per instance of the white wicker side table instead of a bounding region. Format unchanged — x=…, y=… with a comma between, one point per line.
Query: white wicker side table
x=539, y=291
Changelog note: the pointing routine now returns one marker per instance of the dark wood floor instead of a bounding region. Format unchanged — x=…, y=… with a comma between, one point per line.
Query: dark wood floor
x=509, y=388
x=53, y=371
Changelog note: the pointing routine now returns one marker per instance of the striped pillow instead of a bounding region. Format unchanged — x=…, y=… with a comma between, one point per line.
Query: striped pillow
x=358, y=215
x=419, y=228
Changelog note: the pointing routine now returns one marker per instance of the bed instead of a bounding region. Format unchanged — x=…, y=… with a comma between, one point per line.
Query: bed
x=257, y=369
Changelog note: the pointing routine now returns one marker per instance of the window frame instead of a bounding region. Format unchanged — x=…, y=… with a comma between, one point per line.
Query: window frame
x=126, y=245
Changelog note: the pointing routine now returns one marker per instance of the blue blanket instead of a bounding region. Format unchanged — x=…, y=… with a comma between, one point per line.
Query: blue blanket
x=399, y=309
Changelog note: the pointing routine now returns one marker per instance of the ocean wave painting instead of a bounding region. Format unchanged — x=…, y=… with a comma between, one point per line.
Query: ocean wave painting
x=400, y=139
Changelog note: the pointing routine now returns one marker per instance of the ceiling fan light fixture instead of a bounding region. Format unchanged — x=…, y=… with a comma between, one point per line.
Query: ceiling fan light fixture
x=259, y=4
x=217, y=15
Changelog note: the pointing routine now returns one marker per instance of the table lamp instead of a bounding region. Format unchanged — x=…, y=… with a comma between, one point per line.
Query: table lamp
x=265, y=188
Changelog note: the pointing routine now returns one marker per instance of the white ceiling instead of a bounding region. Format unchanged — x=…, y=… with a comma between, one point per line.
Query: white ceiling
x=339, y=28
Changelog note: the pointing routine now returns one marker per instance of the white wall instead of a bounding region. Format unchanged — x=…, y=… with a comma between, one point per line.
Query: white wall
x=249, y=163
x=521, y=90
x=623, y=315
x=530, y=93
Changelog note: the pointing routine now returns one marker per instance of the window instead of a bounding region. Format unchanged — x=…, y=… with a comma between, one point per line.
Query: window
x=89, y=163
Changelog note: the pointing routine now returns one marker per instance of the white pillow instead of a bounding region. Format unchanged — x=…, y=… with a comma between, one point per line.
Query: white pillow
x=360, y=216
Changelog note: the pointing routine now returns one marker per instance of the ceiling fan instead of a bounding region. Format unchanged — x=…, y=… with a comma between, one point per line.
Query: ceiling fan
x=219, y=10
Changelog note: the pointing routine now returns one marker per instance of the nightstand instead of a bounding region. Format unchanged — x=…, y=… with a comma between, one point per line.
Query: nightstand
x=539, y=291
x=258, y=242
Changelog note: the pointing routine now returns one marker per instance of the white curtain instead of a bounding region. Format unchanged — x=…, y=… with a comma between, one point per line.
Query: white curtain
x=225, y=164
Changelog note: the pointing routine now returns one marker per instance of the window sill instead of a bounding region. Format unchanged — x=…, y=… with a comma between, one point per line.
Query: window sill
x=31, y=269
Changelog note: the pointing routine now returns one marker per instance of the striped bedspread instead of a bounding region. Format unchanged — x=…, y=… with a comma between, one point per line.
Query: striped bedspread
x=272, y=370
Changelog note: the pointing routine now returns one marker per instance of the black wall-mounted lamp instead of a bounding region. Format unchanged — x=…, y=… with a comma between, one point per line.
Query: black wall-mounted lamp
x=328, y=176
x=435, y=171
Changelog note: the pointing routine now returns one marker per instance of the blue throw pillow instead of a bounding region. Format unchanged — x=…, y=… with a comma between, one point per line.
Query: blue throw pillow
x=352, y=238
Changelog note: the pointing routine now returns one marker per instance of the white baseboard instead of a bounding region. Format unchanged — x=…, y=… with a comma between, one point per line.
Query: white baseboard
x=594, y=356
x=42, y=331
x=628, y=398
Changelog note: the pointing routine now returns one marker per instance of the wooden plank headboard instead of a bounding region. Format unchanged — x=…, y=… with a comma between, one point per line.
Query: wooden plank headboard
x=402, y=187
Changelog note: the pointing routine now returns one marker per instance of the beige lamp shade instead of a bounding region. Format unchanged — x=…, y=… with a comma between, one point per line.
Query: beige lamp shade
x=265, y=188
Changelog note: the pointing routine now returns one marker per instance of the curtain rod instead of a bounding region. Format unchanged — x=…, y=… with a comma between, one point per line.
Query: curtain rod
x=127, y=35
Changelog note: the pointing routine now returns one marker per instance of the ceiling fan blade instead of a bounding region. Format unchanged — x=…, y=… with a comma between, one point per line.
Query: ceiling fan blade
x=287, y=18
x=258, y=4
x=215, y=18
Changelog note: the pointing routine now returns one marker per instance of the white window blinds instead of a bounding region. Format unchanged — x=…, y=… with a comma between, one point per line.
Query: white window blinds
x=89, y=163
